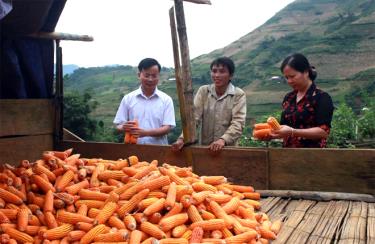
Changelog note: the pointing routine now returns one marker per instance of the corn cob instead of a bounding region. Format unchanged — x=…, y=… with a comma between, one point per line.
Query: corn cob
x=130, y=222
x=22, y=219
x=118, y=236
x=58, y=232
x=72, y=218
x=89, y=236
x=193, y=214
x=273, y=123
x=196, y=235
x=178, y=231
x=155, y=207
x=132, y=203
x=173, y=221
x=171, y=196
x=18, y=235
x=152, y=230
x=10, y=197
x=241, y=238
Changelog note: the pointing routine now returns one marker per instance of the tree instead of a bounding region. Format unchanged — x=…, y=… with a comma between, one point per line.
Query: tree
x=77, y=108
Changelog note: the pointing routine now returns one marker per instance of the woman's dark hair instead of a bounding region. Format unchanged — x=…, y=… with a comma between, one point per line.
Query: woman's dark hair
x=147, y=63
x=300, y=63
x=226, y=62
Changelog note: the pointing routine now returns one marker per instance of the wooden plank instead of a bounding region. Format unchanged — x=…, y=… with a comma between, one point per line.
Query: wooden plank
x=317, y=195
x=337, y=170
x=245, y=167
x=293, y=221
x=309, y=222
x=371, y=223
x=15, y=149
x=26, y=117
x=278, y=210
x=329, y=223
x=354, y=228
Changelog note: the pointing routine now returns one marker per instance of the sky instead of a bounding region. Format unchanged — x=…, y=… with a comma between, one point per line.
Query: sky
x=126, y=31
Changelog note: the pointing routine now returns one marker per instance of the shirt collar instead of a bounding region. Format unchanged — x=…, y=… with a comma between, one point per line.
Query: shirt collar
x=139, y=92
x=229, y=91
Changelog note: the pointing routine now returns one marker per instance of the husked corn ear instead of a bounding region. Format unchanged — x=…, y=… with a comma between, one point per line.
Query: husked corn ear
x=212, y=224
x=72, y=218
x=178, y=231
x=89, y=236
x=18, y=235
x=273, y=123
x=133, y=202
x=193, y=214
x=175, y=220
x=130, y=222
x=152, y=230
x=58, y=232
x=232, y=205
x=201, y=186
x=92, y=195
x=111, y=174
x=173, y=241
x=105, y=213
x=10, y=197
x=116, y=223
x=67, y=177
x=242, y=238
x=118, y=236
x=197, y=235
x=155, y=207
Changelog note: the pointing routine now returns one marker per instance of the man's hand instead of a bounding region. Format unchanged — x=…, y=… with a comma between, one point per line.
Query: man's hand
x=177, y=145
x=217, y=145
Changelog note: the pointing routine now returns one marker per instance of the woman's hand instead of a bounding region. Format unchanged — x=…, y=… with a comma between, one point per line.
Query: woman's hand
x=177, y=145
x=217, y=145
x=283, y=132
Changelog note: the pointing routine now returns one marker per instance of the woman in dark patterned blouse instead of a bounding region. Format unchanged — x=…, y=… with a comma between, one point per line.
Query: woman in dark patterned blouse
x=307, y=110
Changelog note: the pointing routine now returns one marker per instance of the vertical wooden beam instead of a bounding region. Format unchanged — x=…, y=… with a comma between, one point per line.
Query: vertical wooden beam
x=179, y=83
x=59, y=94
x=177, y=65
x=188, y=124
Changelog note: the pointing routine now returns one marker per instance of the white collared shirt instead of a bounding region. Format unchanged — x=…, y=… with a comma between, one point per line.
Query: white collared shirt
x=151, y=112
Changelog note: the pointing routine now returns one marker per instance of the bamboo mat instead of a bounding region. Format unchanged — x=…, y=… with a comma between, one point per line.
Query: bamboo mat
x=306, y=221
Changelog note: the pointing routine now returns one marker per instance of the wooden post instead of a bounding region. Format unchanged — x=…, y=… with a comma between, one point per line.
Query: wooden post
x=187, y=116
x=59, y=94
x=179, y=82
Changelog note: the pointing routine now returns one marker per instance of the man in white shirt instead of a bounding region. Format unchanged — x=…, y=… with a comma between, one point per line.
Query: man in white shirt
x=152, y=108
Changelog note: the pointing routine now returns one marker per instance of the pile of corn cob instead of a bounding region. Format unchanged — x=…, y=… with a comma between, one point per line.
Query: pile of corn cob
x=63, y=198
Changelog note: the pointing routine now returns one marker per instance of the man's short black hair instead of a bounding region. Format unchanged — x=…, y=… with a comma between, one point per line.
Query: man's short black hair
x=147, y=63
x=226, y=62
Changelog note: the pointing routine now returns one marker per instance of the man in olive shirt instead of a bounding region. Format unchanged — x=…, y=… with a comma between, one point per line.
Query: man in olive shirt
x=220, y=108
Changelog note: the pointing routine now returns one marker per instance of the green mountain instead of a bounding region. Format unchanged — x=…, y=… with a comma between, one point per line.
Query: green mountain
x=337, y=36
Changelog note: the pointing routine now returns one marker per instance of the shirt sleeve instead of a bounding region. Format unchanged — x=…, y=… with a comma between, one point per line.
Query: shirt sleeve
x=122, y=112
x=324, y=110
x=237, y=124
x=169, y=117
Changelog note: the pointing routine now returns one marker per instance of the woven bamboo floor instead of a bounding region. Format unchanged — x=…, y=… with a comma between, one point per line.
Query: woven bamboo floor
x=306, y=221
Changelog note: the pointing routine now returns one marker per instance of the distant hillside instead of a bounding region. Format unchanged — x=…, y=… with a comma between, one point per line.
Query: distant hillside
x=69, y=68
x=338, y=37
